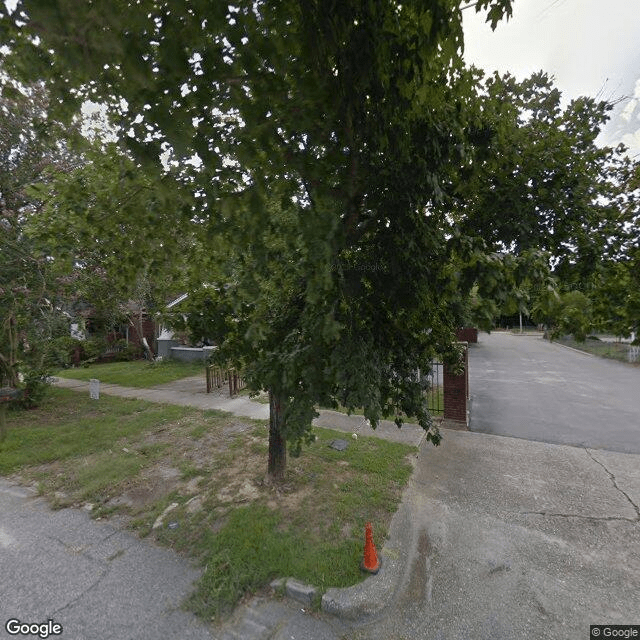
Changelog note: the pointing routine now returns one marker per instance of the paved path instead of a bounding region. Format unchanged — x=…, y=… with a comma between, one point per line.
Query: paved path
x=507, y=539
x=191, y=392
x=95, y=579
x=528, y=388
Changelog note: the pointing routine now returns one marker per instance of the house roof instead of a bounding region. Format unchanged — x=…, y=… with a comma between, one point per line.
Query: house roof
x=178, y=300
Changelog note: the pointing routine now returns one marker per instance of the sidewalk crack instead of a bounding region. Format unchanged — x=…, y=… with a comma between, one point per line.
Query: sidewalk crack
x=575, y=515
x=90, y=588
x=615, y=484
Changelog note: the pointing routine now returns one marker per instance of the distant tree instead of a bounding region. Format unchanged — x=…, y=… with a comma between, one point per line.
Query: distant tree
x=109, y=230
x=29, y=317
x=541, y=182
x=615, y=293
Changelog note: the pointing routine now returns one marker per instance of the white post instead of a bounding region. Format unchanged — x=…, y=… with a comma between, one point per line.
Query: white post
x=94, y=389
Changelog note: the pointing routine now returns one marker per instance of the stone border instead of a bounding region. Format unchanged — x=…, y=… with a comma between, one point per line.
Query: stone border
x=298, y=591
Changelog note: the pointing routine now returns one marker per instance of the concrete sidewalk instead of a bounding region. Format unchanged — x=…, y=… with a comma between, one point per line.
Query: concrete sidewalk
x=191, y=392
x=500, y=539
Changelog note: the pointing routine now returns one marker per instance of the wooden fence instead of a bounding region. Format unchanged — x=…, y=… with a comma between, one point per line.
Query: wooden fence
x=222, y=376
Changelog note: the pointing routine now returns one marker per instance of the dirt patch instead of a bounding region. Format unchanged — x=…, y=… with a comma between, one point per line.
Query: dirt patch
x=244, y=491
x=149, y=486
x=288, y=498
x=237, y=427
x=195, y=504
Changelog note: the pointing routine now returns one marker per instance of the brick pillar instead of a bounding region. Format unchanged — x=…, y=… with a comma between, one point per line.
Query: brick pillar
x=456, y=392
x=467, y=334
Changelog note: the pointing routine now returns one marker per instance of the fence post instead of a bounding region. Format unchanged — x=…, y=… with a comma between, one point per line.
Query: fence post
x=456, y=393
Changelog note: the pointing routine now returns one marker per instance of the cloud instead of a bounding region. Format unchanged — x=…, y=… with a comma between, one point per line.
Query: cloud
x=632, y=140
x=630, y=107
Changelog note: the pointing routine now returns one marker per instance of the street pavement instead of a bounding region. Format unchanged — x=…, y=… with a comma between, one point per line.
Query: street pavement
x=526, y=387
x=496, y=538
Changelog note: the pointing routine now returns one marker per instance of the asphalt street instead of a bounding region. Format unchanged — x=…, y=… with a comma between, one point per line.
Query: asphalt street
x=526, y=387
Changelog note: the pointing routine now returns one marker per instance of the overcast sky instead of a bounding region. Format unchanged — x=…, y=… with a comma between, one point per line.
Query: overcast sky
x=590, y=47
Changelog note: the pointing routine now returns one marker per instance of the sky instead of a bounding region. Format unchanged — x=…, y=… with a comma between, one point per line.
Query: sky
x=590, y=48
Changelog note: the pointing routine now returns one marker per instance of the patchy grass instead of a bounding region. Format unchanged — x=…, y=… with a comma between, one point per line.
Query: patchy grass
x=139, y=373
x=611, y=350
x=70, y=425
x=136, y=458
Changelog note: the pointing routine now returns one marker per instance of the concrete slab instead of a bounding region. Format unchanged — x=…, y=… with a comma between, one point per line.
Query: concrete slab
x=411, y=434
x=512, y=539
x=97, y=581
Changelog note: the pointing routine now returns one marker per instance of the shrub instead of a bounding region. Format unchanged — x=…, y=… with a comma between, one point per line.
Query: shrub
x=129, y=352
x=36, y=386
x=60, y=351
x=93, y=348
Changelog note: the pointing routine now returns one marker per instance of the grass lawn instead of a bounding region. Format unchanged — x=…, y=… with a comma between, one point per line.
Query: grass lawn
x=138, y=373
x=138, y=458
x=613, y=350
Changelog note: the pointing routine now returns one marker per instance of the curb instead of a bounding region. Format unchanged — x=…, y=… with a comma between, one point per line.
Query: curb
x=298, y=591
x=368, y=598
x=533, y=334
x=377, y=591
x=564, y=346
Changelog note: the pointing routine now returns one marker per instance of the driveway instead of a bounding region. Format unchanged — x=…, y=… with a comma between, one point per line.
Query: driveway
x=508, y=539
x=526, y=387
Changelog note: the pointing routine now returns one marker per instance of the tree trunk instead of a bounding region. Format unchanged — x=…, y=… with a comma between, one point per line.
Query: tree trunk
x=277, y=442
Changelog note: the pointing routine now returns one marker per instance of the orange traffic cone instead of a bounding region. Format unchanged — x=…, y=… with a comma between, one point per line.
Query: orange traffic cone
x=370, y=562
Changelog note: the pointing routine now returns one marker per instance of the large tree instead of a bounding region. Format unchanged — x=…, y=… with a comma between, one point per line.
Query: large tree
x=322, y=127
x=109, y=228
x=540, y=190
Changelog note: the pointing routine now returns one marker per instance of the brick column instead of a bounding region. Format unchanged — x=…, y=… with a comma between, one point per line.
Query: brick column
x=467, y=334
x=456, y=392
